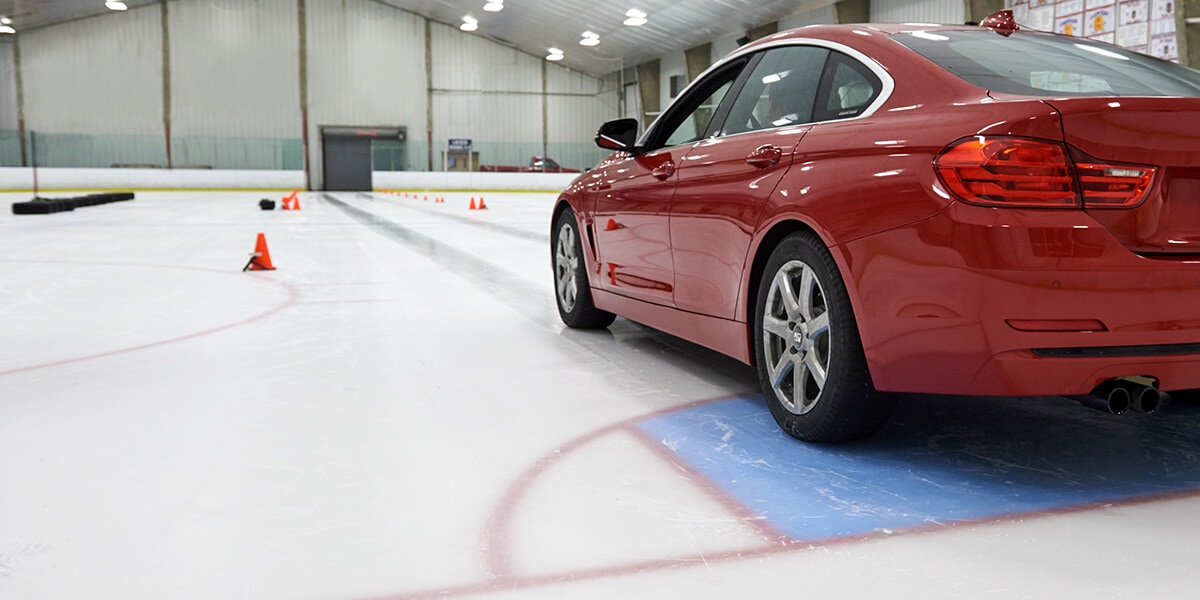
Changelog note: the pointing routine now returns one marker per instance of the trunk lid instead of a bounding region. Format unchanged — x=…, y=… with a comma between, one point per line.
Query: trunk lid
x=1159, y=132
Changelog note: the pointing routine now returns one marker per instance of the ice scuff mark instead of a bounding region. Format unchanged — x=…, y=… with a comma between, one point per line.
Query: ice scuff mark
x=10, y=562
x=731, y=451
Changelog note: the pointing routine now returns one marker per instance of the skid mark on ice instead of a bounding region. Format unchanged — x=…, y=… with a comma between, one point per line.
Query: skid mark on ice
x=529, y=300
x=499, y=227
x=536, y=304
x=291, y=299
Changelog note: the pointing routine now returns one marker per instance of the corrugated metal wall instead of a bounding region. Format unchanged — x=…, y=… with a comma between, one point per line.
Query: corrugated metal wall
x=234, y=68
x=492, y=94
x=93, y=90
x=672, y=65
x=918, y=11
x=488, y=93
x=8, y=88
x=365, y=64
x=576, y=106
x=235, y=84
x=816, y=16
x=10, y=149
x=366, y=67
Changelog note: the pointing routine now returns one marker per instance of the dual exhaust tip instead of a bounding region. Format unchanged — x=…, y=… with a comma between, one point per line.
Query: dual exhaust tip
x=1116, y=396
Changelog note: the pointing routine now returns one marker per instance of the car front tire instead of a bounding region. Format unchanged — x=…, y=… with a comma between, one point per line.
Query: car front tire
x=807, y=348
x=572, y=292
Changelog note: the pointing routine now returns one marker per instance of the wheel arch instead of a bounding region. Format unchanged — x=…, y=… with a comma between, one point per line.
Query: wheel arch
x=762, y=253
x=590, y=254
x=559, y=206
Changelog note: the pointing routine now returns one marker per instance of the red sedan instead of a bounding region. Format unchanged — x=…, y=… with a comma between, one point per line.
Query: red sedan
x=866, y=209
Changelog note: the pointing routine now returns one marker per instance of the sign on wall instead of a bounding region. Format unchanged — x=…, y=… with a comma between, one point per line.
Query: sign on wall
x=1146, y=26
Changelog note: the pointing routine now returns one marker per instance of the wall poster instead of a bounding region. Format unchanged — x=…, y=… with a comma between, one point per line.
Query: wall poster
x=1146, y=26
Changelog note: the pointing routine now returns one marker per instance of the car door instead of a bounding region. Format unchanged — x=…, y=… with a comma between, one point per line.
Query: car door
x=725, y=181
x=632, y=209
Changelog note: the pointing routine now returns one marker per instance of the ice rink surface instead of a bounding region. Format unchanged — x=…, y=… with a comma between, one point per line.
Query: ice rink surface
x=396, y=412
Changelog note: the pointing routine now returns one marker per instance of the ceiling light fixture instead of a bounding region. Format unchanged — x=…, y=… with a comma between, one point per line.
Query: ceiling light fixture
x=469, y=23
x=5, y=21
x=590, y=39
x=555, y=54
x=636, y=18
x=494, y=6
x=114, y=5
x=7, y=29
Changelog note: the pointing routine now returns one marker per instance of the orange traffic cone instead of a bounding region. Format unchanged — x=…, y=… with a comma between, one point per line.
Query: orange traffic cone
x=296, y=203
x=472, y=207
x=482, y=206
x=260, y=259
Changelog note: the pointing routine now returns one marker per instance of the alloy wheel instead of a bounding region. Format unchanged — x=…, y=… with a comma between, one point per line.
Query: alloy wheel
x=566, y=265
x=796, y=337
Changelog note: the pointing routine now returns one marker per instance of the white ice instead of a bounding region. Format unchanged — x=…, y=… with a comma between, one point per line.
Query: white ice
x=396, y=412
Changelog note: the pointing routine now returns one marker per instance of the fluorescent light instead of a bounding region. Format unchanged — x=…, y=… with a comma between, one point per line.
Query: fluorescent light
x=115, y=5
x=636, y=18
x=494, y=6
x=590, y=39
x=469, y=23
x=5, y=21
x=7, y=29
x=555, y=54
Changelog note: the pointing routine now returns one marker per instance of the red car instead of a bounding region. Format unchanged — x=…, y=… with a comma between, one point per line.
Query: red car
x=537, y=164
x=866, y=209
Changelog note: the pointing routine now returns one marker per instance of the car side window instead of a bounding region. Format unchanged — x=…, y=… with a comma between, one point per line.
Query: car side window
x=848, y=89
x=780, y=91
x=692, y=128
x=691, y=116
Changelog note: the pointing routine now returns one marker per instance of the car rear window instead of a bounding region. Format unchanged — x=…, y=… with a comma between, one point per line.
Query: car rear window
x=1041, y=64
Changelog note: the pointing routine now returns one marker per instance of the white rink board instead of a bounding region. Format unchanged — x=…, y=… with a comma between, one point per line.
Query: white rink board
x=50, y=179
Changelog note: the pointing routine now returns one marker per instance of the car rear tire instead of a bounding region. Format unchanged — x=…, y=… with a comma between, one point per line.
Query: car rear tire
x=807, y=348
x=572, y=293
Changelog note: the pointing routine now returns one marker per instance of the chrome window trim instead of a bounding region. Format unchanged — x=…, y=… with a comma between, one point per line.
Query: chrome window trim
x=885, y=78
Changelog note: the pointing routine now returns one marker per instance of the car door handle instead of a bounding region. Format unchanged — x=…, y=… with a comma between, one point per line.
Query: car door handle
x=664, y=170
x=764, y=156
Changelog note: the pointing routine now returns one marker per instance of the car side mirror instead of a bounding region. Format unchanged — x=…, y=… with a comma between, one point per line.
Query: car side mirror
x=618, y=134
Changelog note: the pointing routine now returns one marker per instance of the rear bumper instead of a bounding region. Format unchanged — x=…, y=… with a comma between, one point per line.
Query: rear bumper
x=1019, y=303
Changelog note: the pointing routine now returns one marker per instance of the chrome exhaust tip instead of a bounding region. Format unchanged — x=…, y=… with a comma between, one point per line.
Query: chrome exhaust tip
x=1110, y=397
x=1144, y=398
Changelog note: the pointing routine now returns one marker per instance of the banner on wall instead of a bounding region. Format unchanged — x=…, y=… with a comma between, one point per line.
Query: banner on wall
x=1146, y=26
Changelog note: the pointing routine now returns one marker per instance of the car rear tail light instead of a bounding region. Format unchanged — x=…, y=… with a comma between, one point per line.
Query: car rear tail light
x=1025, y=173
x=1113, y=186
x=1013, y=172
